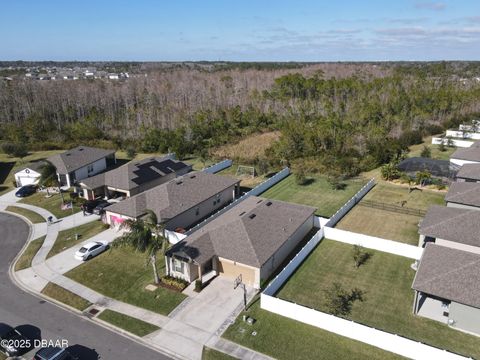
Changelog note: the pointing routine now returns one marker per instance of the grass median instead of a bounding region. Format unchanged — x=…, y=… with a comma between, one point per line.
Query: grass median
x=64, y=296
x=25, y=260
x=30, y=215
x=128, y=323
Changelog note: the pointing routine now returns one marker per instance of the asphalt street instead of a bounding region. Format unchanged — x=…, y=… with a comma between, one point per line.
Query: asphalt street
x=38, y=318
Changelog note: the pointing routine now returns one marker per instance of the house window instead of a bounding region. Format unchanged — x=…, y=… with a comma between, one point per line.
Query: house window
x=197, y=211
x=90, y=168
x=178, y=265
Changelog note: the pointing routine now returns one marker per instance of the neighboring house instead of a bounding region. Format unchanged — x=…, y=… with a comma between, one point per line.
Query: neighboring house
x=469, y=173
x=465, y=195
x=468, y=155
x=447, y=287
x=133, y=178
x=452, y=227
x=81, y=162
x=29, y=174
x=180, y=202
x=249, y=240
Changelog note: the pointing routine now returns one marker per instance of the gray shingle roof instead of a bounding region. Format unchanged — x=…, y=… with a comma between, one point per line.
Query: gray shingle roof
x=35, y=166
x=471, y=153
x=175, y=196
x=77, y=158
x=469, y=171
x=449, y=274
x=467, y=193
x=136, y=173
x=249, y=233
x=453, y=224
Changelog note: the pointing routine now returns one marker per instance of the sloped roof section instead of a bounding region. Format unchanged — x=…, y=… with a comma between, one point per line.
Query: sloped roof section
x=449, y=274
x=466, y=193
x=453, y=224
x=471, y=153
x=77, y=158
x=249, y=233
x=469, y=171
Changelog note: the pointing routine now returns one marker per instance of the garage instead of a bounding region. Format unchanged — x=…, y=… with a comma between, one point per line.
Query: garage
x=230, y=269
x=27, y=176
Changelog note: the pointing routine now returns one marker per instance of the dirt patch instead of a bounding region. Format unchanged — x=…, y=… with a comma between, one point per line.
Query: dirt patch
x=248, y=148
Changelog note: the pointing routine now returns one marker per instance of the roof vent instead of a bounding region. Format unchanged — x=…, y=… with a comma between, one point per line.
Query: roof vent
x=284, y=229
x=242, y=213
x=179, y=182
x=81, y=149
x=68, y=154
x=193, y=176
x=268, y=203
x=252, y=216
x=259, y=201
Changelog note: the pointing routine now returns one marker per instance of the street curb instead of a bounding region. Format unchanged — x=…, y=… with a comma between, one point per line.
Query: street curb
x=17, y=282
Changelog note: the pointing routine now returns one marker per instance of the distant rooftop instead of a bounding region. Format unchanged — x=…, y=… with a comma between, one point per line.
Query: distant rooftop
x=469, y=171
x=77, y=158
x=471, y=153
x=467, y=193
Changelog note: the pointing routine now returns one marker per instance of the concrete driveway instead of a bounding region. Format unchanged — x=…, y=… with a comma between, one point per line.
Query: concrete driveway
x=65, y=261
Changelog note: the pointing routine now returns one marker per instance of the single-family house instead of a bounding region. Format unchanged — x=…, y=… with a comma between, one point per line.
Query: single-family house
x=452, y=227
x=469, y=173
x=30, y=174
x=250, y=241
x=465, y=195
x=133, y=178
x=180, y=202
x=81, y=162
x=468, y=155
x=447, y=287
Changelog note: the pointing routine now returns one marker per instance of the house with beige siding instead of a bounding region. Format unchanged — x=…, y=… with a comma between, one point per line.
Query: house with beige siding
x=180, y=202
x=133, y=178
x=250, y=241
x=446, y=287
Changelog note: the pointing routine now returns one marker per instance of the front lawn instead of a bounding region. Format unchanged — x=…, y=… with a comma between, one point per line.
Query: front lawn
x=318, y=193
x=25, y=260
x=128, y=323
x=122, y=274
x=52, y=203
x=286, y=339
x=66, y=238
x=388, y=224
x=64, y=296
x=212, y=354
x=30, y=215
x=386, y=280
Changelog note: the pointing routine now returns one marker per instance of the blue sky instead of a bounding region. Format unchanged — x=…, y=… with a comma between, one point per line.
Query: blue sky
x=242, y=30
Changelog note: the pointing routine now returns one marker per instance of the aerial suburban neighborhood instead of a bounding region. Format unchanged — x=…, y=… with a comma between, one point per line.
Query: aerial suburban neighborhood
x=252, y=180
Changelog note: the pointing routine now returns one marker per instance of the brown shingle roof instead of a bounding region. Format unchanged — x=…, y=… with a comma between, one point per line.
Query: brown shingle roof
x=453, y=224
x=466, y=193
x=449, y=274
x=249, y=233
x=175, y=196
x=471, y=153
x=469, y=171
x=77, y=158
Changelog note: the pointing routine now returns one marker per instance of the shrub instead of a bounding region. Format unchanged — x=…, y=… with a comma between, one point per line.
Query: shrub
x=174, y=282
x=131, y=152
x=426, y=152
x=198, y=285
x=339, y=301
x=14, y=149
x=411, y=137
x=433, y=129
x=390, y=171
x=360, y=255
x=300, y=177
x=442, y=147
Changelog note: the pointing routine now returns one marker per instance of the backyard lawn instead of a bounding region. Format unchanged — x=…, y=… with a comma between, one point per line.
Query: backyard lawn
x=386, y=280
x=388, y=224
x=287, y=339
x=52, y=203
x=64, y=296
x=30, y=215
x=416, y=150
x=317, y=193
x=122, y=274
x=66, y=238
x=128, y=323
x=25, y=260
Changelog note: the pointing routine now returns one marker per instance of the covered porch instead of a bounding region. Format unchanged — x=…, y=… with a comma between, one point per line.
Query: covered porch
x=432, y=307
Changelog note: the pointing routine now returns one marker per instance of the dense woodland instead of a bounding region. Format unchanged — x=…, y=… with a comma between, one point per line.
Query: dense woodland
x=344, y=117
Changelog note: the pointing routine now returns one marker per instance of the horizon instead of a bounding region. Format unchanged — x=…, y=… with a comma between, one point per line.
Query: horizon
x=281, y=31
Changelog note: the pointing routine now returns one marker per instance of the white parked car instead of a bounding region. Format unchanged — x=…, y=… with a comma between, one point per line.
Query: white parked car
x=90, y=250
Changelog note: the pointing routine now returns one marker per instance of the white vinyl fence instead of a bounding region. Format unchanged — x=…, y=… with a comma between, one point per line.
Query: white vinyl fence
x=375, y=243
x=455, y=142
x=463, y=134
x=350, y=203
x=381, y=339
x=218, y=166
x=257, y=190
x=174, y=237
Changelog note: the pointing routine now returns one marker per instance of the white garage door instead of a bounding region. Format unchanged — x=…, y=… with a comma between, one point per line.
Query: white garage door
x=23, y=180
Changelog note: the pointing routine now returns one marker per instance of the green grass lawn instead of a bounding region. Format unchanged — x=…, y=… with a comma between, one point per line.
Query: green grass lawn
x=386, y=280
x=66, y=238
x=318, y=193
x=25, y=260
x=52, y=203
x=30, y=215
x=58, y=293
x=287, y=339
x=388, y=224
x=212, y=354
x=2, y=356
x=122, y=274
x=415, y=150
x=128, y=323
